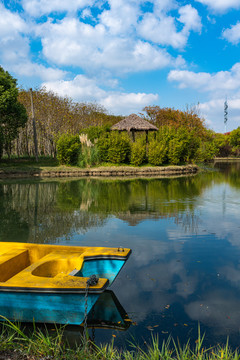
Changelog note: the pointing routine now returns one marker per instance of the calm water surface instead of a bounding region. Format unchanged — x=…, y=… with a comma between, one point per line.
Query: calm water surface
x=184, y=234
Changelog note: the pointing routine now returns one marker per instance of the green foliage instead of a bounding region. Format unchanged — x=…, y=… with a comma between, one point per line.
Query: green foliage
x=138, y=151
x=68, y=149
x=114, y=147
x=222, y=145
x=103, y=146
x=189, y=142
x=207, y=151
x=173, y=146
x=18, y=342
x=1, y=143
x=176, y=118
x=234, y=140
x=89, y=156
x=157, y=152
x=176, y=148
x=94, y=132
x=119, y=148
x=12, y=113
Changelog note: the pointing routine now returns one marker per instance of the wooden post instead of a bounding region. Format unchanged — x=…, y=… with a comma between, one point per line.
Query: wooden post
x=146, y=136
x=133, y=135
x=34, y=126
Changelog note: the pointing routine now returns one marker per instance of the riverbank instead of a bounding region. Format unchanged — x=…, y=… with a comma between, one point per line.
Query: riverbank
x=226, y=159
x=16, y=344
x=20, y=169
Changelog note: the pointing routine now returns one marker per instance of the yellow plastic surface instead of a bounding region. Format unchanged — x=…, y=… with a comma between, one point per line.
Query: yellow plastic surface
x=34, y=266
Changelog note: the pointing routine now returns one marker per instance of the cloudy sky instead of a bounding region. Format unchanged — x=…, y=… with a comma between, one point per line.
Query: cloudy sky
x=127, y=54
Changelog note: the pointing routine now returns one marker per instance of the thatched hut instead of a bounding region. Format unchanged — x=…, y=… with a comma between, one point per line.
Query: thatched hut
x=133, y=123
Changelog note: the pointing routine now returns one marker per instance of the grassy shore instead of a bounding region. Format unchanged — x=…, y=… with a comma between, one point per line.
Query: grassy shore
x=16, y=343
x=48, y=167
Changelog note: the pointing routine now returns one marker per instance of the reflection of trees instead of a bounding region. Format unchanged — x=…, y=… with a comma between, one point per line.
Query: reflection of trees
x=135, y=200
x=12, y=226
x=45, y=211
x=231, y=172
x=29, y=212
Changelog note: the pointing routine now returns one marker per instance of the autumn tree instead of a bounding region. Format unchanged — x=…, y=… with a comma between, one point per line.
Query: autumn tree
x=55, y=116
x=175, y=118
x=12, y=113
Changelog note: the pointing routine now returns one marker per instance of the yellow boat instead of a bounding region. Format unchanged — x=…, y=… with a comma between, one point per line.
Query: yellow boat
x=48, y=283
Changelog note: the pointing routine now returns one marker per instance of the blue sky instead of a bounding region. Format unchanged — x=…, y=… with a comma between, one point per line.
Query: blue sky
x=128, y=54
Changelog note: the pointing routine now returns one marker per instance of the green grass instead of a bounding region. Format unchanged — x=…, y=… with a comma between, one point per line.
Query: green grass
x=42, y=344
x=29, y=166
x=28, y=162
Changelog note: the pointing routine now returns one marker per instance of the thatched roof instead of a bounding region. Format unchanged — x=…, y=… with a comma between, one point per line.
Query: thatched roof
x=134, y=122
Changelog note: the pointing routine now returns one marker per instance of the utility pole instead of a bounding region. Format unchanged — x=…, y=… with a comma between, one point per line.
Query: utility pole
x=225, y=114
x=34, y=126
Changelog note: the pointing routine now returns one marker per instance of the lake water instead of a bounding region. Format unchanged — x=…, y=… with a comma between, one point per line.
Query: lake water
x=184, y=233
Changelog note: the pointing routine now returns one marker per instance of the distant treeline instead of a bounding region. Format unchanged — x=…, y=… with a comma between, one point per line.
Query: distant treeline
x=182, y=137
x=54, y=115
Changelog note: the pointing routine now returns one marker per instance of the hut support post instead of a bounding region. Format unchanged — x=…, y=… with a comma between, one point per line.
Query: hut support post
x=133, y=135
x=146, y=136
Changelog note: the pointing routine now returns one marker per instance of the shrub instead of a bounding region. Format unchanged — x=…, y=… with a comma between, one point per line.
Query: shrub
x=1, y=143
x=138, y=151
x=183, y=146
x=89, y=156
x=157, y=152
x=119, y=148
x=175, y=151
x=221, y=142
x=207, y=151
x=68, y=149
x=103, y=146
x=95, y=132
x=234, y=140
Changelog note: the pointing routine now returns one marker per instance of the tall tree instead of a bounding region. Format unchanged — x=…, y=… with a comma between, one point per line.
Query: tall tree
x=176, y=118
x=56, y=115
x=13, y=114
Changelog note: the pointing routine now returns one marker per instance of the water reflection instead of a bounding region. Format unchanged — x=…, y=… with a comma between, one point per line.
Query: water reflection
x=184, y=234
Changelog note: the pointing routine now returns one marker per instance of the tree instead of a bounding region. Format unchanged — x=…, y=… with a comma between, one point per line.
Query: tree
x=56, y=115
x=176, y=118
x=13, y=114
x=234, y=140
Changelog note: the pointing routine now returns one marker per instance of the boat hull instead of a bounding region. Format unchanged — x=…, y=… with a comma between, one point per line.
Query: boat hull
x=45, y=308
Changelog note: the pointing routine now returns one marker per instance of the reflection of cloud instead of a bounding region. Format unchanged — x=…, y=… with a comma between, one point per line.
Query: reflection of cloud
x=218, y=309
x=153, y=286
x=231, y=274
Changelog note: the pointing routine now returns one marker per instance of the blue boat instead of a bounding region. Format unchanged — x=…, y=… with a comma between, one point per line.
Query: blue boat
x=52, y=283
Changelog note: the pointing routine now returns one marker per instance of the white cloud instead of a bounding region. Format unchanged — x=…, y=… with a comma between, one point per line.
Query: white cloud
x=124, y=103
x=164, y=6
x=162, y=29
x=232, y=34
x=218, y=85
x=190, y=18
x=121, y=18
x=221, y=5
x=71, y=42
x=29, y=69
x=82, y=88
x=15, y=48
x=38, y=8
x=219, y=82
x=10, y=24
x=212, y=111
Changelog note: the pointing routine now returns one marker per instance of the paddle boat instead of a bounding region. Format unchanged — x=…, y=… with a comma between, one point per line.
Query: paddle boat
x=54, y=283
